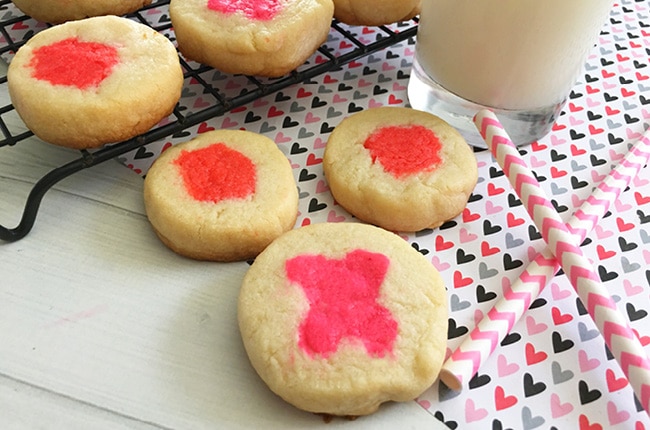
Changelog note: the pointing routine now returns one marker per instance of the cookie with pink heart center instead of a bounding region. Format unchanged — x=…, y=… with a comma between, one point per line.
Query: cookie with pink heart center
x=338, y=318
x=343, y=298
x=262, y=10
x=252, y=37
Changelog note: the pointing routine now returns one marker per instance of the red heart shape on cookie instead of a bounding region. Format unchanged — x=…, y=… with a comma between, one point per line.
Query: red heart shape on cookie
x=217, y=173
x=404, y=150
x=74, y=63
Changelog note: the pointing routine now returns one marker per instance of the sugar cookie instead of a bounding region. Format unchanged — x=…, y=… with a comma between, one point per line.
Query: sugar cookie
x=399, y=168
x=338, y=318
x=222, y=196
x=375, y=12
x=57, y=11
x=264, y=38
x=86, y=83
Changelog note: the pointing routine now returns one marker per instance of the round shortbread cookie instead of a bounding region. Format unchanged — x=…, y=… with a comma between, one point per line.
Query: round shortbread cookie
x=264, y=38
x=375, y=12
x=222, y=196
x=399, y=168
x=338, y=318
x=57, y=11
x=86, y=83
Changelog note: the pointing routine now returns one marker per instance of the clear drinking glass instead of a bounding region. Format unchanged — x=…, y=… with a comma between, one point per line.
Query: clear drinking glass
x=519, y=58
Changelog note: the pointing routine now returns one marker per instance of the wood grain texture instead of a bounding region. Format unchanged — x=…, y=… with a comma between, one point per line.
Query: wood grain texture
x=104, y=327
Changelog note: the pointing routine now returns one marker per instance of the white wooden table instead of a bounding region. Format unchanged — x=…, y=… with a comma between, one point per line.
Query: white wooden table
x=103, y=327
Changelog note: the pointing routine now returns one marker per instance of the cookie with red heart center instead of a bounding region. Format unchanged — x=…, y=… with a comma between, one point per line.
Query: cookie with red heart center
x=399, y=168
x=253, y=37
x=222, y=196
x=74, y=63
x=95, y=81
x=338, y=318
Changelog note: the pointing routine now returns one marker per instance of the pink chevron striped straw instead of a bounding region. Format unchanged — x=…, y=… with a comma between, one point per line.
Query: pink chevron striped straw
x=619, y=336
x=466, y=359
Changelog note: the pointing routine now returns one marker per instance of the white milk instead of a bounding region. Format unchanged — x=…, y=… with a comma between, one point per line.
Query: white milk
x=508, y=54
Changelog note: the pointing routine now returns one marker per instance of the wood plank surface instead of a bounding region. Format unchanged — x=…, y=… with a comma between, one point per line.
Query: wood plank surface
x=103, y=327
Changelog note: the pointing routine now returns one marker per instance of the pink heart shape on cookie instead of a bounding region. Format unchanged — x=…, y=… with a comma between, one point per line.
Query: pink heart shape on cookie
x=343, y=298
x=261, y=10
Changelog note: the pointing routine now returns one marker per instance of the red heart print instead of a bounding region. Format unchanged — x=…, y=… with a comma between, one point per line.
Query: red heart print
x=204, y=127
x=607, y=74
x=274, y=111
x=486, y=249
x=575, y=108
x=501, y=401
x=392, y=100
x=641, y=199
x=533, y=356
x=557, y=173
x=441, y=244
x=595, y=130
x=302, y=93
x=468, y=216
x=20, y=25
x=460, y=281
x=513, y=221
x=623, y=226
x=627, y=93
x=584, y=423
x=559, y=317
x=494, y=190
x=604, y=254
x=312, y=159
x=536, y=146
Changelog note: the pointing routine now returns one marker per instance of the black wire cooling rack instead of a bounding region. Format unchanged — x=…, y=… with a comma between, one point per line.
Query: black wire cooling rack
x=220, y=101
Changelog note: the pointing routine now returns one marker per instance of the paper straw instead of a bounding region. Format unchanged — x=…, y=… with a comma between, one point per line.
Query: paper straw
x=618, y=335
x=469, y=356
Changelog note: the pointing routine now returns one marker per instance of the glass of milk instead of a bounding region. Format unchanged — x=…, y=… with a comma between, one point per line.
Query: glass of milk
x=520, y=58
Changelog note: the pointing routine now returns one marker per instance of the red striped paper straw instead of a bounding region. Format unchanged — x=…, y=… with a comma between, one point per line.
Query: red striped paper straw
x=619, y=336
x=480, y=344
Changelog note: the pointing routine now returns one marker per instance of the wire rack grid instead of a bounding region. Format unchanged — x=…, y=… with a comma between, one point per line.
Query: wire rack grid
x=218, y=100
